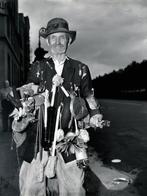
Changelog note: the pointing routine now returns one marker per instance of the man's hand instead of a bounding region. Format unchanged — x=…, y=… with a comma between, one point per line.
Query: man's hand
x=34, y=87
x=29, y=89
x=57, y=80
x=96, y=121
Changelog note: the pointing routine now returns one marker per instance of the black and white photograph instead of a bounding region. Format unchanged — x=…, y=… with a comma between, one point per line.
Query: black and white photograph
x=73, y=98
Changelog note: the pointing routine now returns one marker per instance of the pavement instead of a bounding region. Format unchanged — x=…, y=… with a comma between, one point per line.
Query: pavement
x=8, y=167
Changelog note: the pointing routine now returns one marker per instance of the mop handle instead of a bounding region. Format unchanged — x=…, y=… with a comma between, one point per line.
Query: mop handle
x=76, y=127
x=56, y=129
x=45, y=108
x=53, y=95
x=64, y=91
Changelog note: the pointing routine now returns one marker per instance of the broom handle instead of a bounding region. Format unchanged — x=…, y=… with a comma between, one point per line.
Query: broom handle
x=56, y=128
x=53, y=95
x=64, y=91
x=76, y=127
x=45, y=108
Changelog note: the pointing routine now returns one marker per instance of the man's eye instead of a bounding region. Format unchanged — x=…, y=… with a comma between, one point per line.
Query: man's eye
x=53, y=38
x=63, y=39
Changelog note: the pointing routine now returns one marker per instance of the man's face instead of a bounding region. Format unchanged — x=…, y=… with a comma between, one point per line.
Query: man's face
x=58, y=42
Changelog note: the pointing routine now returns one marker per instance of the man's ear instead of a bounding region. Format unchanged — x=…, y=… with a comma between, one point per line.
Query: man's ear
x=47, y=41
x=69, y=41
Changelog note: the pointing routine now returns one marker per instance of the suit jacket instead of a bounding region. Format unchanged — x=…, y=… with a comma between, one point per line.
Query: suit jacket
x=74, y=73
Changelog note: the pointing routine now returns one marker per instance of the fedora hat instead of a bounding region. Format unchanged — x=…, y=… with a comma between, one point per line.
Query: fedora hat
x=57, y=25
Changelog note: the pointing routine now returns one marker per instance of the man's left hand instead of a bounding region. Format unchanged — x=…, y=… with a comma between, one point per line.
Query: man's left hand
x=96, y=121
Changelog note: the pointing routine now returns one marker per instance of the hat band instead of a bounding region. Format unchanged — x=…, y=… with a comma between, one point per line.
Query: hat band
x=55, y=26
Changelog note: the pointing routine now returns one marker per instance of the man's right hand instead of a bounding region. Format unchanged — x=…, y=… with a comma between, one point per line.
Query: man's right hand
x=57, y=80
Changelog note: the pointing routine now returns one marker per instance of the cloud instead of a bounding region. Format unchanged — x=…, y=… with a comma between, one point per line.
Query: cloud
x=59, y=1
x=110, y=33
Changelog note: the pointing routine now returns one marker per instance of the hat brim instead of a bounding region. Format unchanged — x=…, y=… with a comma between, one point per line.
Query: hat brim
x=44, y=33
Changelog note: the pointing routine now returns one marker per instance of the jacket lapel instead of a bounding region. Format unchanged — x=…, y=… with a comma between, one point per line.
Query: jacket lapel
x=49, y=72
x=68, y=71
x=68, y=75
x=50, y=65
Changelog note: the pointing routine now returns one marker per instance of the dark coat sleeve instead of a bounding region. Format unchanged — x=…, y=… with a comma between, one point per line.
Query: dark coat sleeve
x=34, y=74
x=86, y=81
x=41, y=72
x=82, y=78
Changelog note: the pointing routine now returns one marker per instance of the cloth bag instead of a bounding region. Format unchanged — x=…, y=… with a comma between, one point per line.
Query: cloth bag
x=50, y=167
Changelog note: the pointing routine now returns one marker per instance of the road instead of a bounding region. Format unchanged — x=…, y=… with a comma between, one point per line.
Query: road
x=125, y=139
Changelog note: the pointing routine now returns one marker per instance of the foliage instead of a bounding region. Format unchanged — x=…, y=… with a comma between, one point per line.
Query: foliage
x=129, y=82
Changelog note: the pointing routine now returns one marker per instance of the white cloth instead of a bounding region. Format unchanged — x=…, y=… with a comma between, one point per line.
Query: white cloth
x=32, y=179
x=59, y=67
x=70, y=178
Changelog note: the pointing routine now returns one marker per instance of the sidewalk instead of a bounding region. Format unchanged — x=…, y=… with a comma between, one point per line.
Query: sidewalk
x=8, y=164
x=106, y=175
x=8, y=167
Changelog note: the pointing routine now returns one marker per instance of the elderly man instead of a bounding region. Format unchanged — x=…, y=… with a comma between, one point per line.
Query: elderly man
x=68, y=77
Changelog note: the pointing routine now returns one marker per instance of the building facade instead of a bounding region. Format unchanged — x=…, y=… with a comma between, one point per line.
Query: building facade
x=14, y=43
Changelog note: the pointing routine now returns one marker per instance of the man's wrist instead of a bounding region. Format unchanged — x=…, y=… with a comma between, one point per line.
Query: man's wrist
x=94, y=111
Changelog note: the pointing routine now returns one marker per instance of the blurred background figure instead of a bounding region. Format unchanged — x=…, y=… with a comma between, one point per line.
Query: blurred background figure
x=6, y=106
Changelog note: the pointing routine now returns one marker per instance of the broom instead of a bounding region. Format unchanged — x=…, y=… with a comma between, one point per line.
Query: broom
x=50, y=167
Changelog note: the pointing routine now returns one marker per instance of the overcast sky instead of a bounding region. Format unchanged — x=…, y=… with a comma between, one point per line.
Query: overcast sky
x=110, y=33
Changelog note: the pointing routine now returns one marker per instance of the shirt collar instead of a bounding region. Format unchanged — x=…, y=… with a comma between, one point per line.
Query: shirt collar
x=61, y=63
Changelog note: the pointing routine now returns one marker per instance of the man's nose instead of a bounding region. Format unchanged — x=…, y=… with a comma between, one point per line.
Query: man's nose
x=58, y=41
